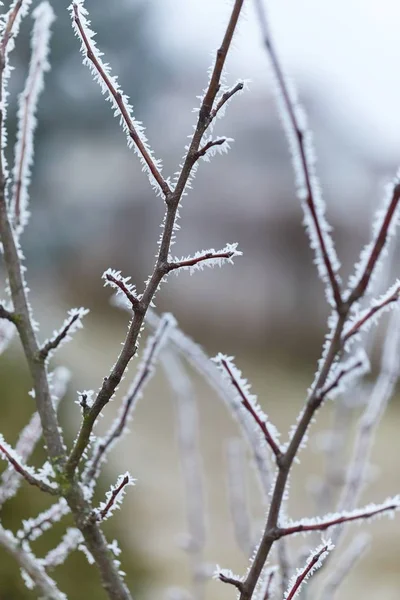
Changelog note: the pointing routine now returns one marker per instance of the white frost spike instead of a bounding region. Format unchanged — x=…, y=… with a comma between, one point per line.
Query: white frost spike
x=43, y=18
x=127, y=120
x=313, y=563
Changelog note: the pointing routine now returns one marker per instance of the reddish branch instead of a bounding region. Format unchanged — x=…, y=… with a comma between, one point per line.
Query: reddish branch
x=370, y=313
x=26, y=475
x=191, y=262
x=122, y=108
x=202, y=151
x=249, y=407
x=377, y=248
x=306, y=572
x=225, y=98
x=115, y=493
x=135, y=302
x=8, y=28
x=323, y=525
x=335, y=383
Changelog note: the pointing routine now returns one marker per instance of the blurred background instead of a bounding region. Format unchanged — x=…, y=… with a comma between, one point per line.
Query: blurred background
x=92, y=208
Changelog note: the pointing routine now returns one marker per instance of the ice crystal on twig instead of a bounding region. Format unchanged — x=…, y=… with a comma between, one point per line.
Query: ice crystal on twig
x=248, y=400
x=101, y=71
x=313, y=563
x=114, y=497
x=209, y=258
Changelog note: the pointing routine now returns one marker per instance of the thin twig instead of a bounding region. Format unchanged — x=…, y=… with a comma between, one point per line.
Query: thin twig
x=313, y=563
x=57, y=339
x=325, y=523
x=8, y=28
x=262, y=424
x=226, y=96
x=31, y=479
x=102, y=514
x=369, y=313
x=204, y=149
x=121, y=105
x=120, y=283
x=376, y=250
x=191, y=262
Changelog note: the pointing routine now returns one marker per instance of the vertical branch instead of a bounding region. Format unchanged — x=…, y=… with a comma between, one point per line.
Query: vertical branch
x=301, y=148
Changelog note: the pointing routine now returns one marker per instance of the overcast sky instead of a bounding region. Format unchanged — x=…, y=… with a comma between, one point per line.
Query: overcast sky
x=349, y=48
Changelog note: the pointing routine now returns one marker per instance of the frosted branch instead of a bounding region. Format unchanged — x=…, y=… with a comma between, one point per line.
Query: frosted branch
x=369, y=316
x=12, y=21
x=122, y=284
x=313, y=563
x=43, y=18
x=32, y=529
x=114, y=498
x=70, y=325
x=323, y=523
x=102, y=75
x=226, y=576
x=210, y=146
x=226, y=97
x=249, y=402
x=386, y=225
x=301, y=148
x=210, y=258
x=27, y=472
x=343, y=374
